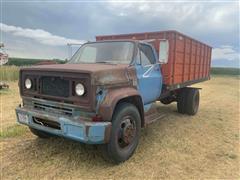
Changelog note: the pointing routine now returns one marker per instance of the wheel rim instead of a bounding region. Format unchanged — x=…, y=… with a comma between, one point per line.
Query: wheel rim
x=127, y=132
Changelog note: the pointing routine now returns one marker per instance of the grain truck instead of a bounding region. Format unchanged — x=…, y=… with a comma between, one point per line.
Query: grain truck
x=106, y=92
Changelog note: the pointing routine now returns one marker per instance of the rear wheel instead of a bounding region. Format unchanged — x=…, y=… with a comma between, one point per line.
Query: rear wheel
x=192, y=101
x=125, y=133
x=188, y=101
x=181, y=101
x=40, y=134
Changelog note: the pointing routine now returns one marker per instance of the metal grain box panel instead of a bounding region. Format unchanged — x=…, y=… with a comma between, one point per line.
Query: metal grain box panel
x=189, y=59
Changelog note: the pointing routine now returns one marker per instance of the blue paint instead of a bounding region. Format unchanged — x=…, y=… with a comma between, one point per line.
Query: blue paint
x=96, y=133
x=147, y=107
x=87, y=132
x=100, y=96
x=149, y=80
x=73, y=131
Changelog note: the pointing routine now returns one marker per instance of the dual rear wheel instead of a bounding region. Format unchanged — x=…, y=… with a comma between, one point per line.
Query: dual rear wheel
x=188, y=101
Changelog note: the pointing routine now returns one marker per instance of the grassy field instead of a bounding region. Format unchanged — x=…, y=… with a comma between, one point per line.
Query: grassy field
x=225, y=71
x=205, y=146
x=13, y=61
x=11, y=73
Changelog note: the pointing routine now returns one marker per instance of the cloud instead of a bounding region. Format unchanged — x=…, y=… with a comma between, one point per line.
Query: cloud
x=216, y=23
x=39, y=35
x=215, y=16
x=225, y=52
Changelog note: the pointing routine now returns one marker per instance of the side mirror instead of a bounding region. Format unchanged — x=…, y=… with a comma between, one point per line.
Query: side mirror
x=163, y=51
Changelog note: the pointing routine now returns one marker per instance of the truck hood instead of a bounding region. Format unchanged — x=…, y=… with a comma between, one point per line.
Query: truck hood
x=84, y=68
x=101, y=74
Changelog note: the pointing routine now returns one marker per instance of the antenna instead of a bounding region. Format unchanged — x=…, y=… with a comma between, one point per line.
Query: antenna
x=70, y=46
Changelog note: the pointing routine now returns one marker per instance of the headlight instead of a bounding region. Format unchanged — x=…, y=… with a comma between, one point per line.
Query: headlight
x=79, y=89
x=28, y=83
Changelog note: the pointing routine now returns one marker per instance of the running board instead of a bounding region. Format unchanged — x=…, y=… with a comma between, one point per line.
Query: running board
x=153, y=117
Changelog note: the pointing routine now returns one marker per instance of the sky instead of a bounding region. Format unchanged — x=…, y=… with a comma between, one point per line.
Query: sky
x=42, y=29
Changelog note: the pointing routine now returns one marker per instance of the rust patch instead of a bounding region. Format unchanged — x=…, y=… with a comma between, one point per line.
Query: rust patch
x=114, y=95
x=107, y=134
x=82, y=68
x=91, y=75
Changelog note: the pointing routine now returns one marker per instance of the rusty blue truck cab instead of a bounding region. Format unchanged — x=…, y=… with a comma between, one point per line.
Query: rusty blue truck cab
x=147, y=77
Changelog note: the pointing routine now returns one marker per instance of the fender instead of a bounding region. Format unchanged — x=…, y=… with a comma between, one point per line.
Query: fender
x=113, y=96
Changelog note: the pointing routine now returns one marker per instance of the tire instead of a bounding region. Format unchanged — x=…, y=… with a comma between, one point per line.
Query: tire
x=192, y=101
x=181, y=101
x=126, y=125
x=40, y=134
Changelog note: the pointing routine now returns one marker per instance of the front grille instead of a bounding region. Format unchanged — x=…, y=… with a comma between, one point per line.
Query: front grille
x=53, y=109
x=55, y=86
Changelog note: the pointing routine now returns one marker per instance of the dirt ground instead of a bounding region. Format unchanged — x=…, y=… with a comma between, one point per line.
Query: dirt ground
x=205, y=146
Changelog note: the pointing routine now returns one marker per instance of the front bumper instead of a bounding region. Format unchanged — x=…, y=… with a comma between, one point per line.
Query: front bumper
x=86, y=132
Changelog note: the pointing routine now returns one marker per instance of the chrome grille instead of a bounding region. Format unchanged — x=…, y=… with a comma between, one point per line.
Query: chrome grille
x=53, y=109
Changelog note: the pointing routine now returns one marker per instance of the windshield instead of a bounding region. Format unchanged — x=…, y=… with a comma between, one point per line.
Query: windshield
x=104, y=52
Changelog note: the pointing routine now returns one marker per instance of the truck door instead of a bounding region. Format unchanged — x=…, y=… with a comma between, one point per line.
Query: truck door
x=148, y=73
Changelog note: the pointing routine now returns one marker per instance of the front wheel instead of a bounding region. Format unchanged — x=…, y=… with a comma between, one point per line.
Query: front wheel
x=126, y=125
x=40, y=134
